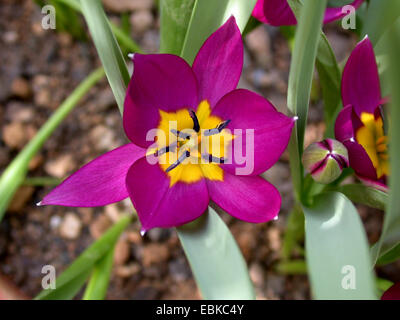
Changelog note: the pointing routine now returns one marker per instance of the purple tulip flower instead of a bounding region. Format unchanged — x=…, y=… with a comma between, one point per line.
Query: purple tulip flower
x=360, y=124
x=279, y=13
x=203, y=99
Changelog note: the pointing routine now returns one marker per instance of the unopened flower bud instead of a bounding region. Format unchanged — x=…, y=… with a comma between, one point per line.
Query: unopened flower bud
x=325, y=160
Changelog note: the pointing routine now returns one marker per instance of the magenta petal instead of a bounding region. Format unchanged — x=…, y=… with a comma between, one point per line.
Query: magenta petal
x=219, y=62
x=360, y=82
x=98, y=183
x=360, y=161
x=159, y=81
x=377, y=184
x=250, y=199
x=343, y=125
x=393, y=293
x=272, y=130
x=332, y=14
x=159, y=205
x=274, y=12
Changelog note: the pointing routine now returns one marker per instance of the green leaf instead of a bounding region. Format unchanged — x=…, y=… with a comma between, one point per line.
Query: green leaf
x=123, y=38
x=174, y=19
x=292, y=267
x=80, y=269
x=294, y=232
x=337, y=250
x=300, y=79
x=391, y=256
x=15, y=173
x=390, y=237
x=380, y=17
x=108, y=49
x=208, y=16
x=216, y=261
x=98, y=283
x=330, y=80
x=363, y=194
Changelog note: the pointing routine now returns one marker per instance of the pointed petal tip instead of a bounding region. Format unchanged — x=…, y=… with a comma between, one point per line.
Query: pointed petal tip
x=276, y=218
x=39, y=204
x=143, y=232
x=295, y=118
x=131, y=55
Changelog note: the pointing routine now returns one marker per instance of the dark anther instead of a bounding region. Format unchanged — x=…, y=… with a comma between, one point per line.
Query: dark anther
x=218, y=129
x=182, y=157
x=213, y=159
x=181, y=134
x=166, y=149
x=196, y=125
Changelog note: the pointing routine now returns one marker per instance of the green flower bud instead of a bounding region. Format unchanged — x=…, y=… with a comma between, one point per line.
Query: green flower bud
x=325, y=160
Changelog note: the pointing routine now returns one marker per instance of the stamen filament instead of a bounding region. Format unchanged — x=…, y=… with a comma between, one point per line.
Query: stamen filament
x=181, y=158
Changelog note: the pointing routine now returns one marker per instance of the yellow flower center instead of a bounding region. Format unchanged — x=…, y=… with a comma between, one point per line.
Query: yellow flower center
x=372, y=137
x=191, y=146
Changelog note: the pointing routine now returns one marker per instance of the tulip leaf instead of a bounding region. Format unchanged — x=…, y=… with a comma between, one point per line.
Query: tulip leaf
x=363, y=194
x=14, y=175
x=208, y=16
x=78, y=272
x=381, y=15
x=216, y=261
x=330, y=80
x=174, y=18
x=337, y=250
x=100, y=278
x=123, y=38
x=108, y=49
x=390, y=237
x=300, y=79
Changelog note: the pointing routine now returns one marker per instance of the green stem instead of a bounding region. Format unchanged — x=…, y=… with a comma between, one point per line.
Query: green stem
x=15, y=173
x=292, y=267
x=41, y=181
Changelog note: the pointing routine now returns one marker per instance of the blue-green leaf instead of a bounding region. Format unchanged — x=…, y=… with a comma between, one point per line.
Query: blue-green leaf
x=369, y=196
x=216, y=261
x=108, y=49
x=208, y=16
x=337, y=251
x=300, y=78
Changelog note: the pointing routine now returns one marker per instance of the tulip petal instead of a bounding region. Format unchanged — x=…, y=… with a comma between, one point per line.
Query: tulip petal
x=279, y=13
x=249, y=111
x=159, y=82
x=360, y=161
x=274, y=12
x=393, y=293
x=98, y=183
x=343, y=125
x=336, y=13
x=250, y=199
x=159, y=205
x=360, y=82
x=377, y=184
x=218, y=65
